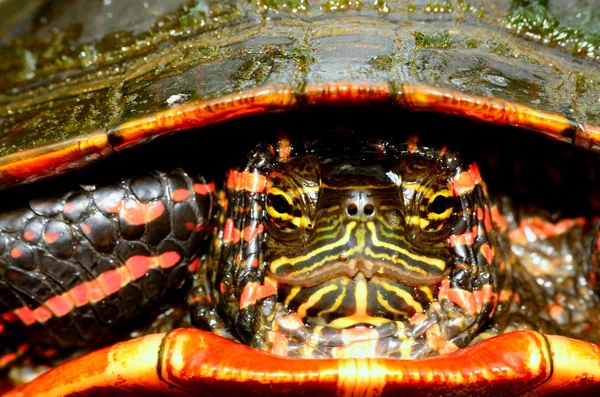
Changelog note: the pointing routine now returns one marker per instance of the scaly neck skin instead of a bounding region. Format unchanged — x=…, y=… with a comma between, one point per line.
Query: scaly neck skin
x=546, y=285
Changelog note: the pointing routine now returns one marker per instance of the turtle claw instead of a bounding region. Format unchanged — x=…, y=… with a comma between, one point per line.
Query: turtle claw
x=192, y=362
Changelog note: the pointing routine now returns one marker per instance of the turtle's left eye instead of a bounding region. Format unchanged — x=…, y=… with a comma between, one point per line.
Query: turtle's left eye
x=440, y=206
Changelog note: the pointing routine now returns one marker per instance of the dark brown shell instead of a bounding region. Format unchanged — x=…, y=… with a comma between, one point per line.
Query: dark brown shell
x=81, y=80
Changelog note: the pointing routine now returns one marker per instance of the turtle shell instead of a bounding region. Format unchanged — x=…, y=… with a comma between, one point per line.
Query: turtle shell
x=83, y=81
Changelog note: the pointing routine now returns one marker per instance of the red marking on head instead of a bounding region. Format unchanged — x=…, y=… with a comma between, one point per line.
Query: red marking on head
x=279, y=343
x=50, y=237
x=204, y=188
x=230, y=233
x=16, y=252
x=200, y=227
x=487, y=253
x=194, y=265
x=168, y=259
x=60, y=305
x=28, y=235
x=42, y=314
x=251, y=233
x=138, y=265
x=222, y=288
x=86, y=228
x=137, y=213
x=466, y=238
x=68, y=208
x=189, y=225
x=253, y=292
x=110, y=281
x=180, y=195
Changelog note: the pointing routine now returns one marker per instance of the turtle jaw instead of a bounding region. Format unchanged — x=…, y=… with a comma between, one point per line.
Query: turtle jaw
x=360, y=275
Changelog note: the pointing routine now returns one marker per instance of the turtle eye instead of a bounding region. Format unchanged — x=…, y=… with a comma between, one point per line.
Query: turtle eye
x=436, y=211
x=279, y=204
x=284, y=208
x=439, y=207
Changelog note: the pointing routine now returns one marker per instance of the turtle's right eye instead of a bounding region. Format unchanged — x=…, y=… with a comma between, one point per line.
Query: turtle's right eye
x=285, y=207
x=280, y=205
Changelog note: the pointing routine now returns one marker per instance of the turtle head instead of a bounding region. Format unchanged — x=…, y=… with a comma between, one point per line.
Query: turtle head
x=358, y=240
x=387, y=240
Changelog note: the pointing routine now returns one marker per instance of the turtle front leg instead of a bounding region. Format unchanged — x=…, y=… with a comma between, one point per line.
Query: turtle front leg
x=551, y=273
x=81, y=269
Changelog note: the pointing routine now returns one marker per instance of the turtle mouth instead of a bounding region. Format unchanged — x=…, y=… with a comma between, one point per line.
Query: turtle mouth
x=368, y=268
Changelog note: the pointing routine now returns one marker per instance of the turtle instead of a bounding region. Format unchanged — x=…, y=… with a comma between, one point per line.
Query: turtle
x=342, y=197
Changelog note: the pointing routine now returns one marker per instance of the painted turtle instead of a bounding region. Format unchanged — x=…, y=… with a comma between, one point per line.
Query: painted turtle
x=416, y=231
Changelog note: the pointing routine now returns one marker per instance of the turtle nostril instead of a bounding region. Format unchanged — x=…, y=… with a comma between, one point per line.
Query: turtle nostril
x=369, y=209
x=352, y=210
